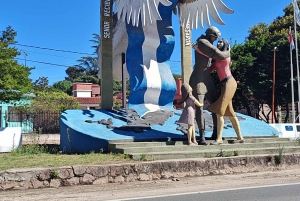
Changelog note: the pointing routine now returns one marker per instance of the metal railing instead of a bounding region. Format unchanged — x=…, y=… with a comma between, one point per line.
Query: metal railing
x=41, y=122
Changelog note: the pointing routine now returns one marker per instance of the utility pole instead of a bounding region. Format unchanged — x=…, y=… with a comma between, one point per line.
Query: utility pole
x=273, y=87
x=25, y=56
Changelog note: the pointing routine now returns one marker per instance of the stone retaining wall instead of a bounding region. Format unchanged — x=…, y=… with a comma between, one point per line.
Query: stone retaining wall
x=142, y=171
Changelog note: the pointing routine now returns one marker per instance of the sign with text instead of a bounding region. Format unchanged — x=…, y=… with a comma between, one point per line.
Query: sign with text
x=187, y=33
x=186, y=52
x=106, y=54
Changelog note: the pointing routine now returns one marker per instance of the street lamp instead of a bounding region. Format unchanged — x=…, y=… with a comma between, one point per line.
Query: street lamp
x=273, y=87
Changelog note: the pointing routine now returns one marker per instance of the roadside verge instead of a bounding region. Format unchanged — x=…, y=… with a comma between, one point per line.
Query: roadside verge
x=141, y=171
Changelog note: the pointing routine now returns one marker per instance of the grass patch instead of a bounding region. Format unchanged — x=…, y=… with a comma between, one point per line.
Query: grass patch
x=229, y=154
x=53, y=174
x=143, y=157
x=207, y=155
x=236, y=153
x=279, y=158
x=30, y=156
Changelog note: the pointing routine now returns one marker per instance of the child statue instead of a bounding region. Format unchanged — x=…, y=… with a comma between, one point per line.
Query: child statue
x=188, y=113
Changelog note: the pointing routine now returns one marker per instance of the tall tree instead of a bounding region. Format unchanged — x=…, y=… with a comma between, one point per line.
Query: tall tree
x=14, y=78
x=87, y=69
x=253, y=65
x=41, y=84
x=64, y=86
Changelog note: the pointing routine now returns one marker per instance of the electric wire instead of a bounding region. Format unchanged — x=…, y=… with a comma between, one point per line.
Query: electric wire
x=52, y=55
x=45, y=48
x=44, y=62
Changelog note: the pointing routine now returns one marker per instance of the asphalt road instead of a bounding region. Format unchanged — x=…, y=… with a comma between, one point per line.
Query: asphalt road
x=233, y=187
x=280, y=192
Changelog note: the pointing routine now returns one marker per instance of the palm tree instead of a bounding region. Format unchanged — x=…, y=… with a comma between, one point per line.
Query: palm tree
x=87, y=69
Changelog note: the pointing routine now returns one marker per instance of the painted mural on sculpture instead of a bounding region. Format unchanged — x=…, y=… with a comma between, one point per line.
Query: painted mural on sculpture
x=150, y=44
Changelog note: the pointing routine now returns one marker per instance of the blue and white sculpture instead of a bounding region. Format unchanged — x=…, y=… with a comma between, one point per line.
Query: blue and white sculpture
x=151, y=43
x=147, y=37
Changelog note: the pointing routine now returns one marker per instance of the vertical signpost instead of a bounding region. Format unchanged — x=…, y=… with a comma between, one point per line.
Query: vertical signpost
x=123, y=81
x=106, y=49
x=186, y=52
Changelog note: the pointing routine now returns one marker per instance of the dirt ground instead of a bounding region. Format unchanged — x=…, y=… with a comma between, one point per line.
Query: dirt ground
x=115, y=191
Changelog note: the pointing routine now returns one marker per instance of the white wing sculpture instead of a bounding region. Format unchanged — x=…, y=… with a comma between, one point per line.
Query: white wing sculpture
x=192, y=11
x=195, y=11
x=132, y=9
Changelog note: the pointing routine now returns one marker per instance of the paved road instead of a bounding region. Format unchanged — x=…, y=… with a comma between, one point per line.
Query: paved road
x=280, y=192
x=205, y=185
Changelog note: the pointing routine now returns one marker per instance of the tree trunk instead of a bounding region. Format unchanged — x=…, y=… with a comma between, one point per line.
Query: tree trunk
x=287, y=115
x=278, y=116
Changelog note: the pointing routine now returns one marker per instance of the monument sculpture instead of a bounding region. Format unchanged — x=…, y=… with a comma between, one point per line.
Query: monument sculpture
x=223, y=105
x=201, y=81
x=147, y=38
x=151, y=43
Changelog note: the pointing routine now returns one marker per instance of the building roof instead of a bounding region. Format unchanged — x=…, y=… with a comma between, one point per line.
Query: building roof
x=88, y=100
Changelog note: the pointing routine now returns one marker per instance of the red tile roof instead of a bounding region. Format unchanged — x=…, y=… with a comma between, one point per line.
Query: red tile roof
x=92, y=100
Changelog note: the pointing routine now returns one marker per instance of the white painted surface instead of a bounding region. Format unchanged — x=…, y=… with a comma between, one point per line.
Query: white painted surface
x=288, y=130
x=147, y=10
x=10, y=138
x=83, y=93
x=151, y=43
x=150, y=66
x=153, y=83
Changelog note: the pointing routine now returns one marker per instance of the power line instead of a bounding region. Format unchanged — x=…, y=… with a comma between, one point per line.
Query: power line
x=44, y=62
x=51, y=55
x=44, y=48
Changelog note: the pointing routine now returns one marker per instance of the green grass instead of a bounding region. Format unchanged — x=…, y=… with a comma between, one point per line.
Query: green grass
x=30, y=156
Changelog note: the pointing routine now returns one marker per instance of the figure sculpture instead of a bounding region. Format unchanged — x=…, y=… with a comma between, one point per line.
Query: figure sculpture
x=151, y=43
x=201, y=81
x=188, y=113
x=223, y=105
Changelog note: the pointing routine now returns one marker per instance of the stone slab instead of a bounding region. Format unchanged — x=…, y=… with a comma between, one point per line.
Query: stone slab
x=10, y=138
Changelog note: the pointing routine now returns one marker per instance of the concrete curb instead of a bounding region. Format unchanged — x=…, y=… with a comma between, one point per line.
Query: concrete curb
x=40, y=139
x=143, y=171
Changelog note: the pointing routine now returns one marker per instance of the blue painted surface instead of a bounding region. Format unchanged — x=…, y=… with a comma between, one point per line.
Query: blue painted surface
x=134, y=61
x=78, y=136
x=138, y=55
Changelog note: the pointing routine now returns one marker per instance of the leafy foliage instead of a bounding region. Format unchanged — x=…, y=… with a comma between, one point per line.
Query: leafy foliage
x=253, y=62
x=41, y=84
x=54, y=101
x=14, y=78
x=87, y=69
x=64, y=86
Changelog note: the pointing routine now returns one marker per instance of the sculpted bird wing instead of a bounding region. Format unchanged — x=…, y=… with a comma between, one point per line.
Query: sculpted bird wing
x=195, y=11
x=134, y=9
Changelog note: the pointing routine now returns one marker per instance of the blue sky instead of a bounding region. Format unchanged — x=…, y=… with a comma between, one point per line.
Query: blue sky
x=68, y=25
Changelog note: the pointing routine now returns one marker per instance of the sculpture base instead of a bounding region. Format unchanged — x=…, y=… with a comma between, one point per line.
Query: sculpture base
x=83, y=131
